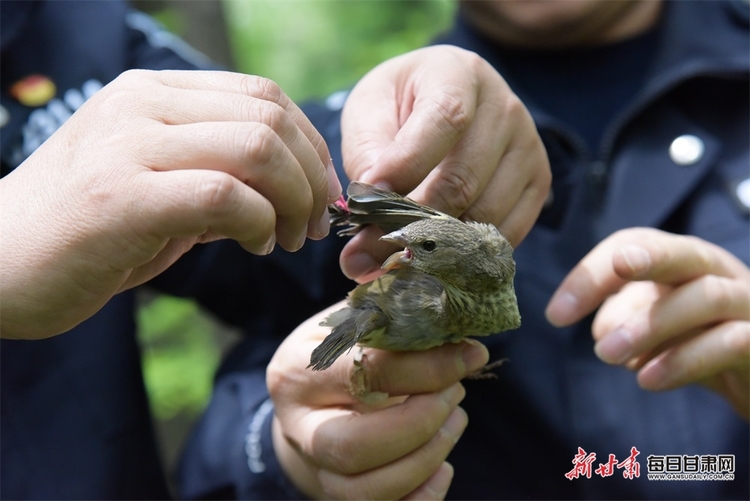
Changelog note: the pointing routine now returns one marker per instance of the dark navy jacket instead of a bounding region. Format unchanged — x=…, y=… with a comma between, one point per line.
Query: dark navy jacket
x=555, y=396
x=74, y=419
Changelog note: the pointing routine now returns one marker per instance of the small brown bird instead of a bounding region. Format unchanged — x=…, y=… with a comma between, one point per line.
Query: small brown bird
x=452, y=280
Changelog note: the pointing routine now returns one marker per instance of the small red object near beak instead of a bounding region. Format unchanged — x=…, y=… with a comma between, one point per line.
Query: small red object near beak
x=341, y=204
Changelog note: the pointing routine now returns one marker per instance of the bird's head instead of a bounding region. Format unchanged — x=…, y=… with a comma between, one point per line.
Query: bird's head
x=461, y=253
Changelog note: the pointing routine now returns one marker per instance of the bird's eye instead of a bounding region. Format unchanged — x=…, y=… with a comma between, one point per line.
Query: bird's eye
x=429, y=245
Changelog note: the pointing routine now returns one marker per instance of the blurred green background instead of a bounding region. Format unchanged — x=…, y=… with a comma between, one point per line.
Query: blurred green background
x=311, y=48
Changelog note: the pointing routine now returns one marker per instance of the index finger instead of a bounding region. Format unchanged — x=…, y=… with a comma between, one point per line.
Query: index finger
x=403, y=140
x=635, y=254
x=260, y=88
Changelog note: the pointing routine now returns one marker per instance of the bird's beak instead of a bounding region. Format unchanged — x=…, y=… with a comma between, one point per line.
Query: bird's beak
x=397, y=259
x=395, y=237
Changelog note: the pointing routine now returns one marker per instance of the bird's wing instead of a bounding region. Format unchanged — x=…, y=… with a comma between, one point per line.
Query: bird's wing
x=368, y=204
x=349, y=326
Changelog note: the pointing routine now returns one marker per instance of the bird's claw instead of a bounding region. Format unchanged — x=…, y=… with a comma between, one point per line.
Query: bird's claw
x=484, y=372
x=359, y=382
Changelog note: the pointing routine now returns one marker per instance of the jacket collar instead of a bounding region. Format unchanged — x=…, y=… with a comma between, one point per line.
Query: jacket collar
x=696, y=38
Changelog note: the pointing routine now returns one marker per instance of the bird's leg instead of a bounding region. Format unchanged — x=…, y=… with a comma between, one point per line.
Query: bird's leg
x=359, y=382
x=484, y=372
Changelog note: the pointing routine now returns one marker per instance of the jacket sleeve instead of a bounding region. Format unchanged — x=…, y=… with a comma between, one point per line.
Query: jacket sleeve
x=230, y=454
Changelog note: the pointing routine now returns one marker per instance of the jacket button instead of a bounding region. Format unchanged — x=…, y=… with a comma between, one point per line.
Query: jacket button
x=4, y=116
x=742, y=191
x=686, y=149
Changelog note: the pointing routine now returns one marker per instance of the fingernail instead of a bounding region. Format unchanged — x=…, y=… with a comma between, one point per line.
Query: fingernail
x=654, y=375
x=270, y=245
x=301, y=241
x=455, y=425
x=453, y=394
x=324, y=225
x=359, y=264
x=562, y=309
x=334, y=185
x=615, y=347
x=440, y=482
x=637, y=258
x=475, y=356
x=365, y=176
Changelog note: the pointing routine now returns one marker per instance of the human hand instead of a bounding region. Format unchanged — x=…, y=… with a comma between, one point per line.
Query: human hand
x=442, y=126
x=151, y=165
x=333, y=445
x=674, y=308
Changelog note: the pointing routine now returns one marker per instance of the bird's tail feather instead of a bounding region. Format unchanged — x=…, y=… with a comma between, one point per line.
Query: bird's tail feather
x=338, y=342
x=369, y=204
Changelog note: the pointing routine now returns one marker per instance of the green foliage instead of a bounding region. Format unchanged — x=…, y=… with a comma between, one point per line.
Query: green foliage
x=314, y=47
x=179, y=356
x=171, y=19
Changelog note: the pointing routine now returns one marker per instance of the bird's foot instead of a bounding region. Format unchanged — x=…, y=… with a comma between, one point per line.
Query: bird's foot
x=359, y=382
x=484, y=372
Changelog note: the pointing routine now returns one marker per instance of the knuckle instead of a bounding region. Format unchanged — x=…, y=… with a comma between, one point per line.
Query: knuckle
x=705, y=256
x=117, y=100
x=477, y=62
x=214, y=191
x=719, y=292
x=474, y=63
x=132, y=77
x=260, y=144
x=453, y=111
x=133, y=94
x=458, y=185
x=514, y=109
x=272, y=115
x=263, y=88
